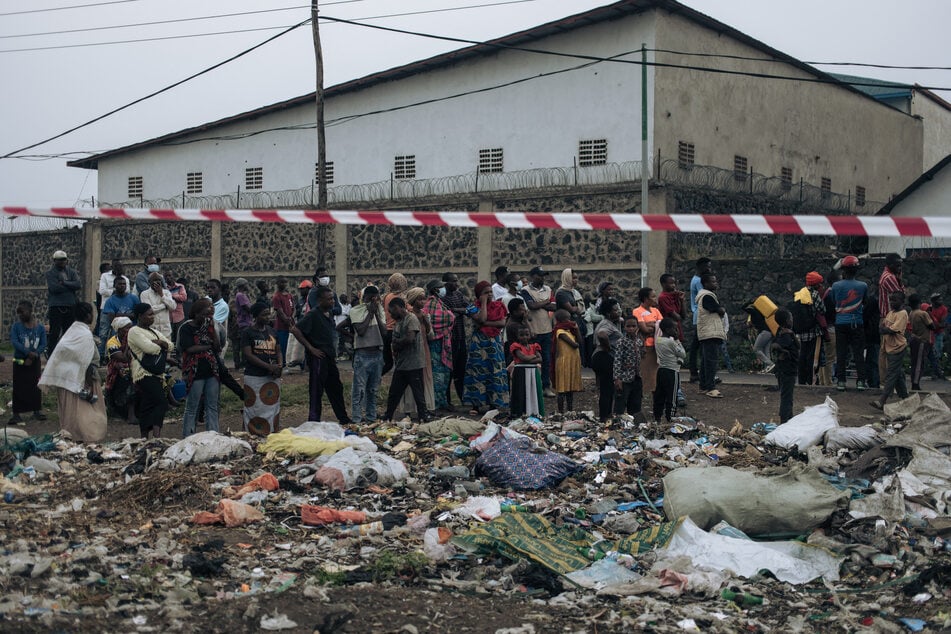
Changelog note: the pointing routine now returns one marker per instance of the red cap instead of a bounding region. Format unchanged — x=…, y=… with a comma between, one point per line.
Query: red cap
x=850, y=261
x=306, y=284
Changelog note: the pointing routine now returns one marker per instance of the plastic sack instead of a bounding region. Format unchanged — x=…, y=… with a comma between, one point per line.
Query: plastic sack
x=491, y=433
x=287, y=443
x=350, y=469
x=791, y=562
x=749, y=501
x=436, y=544
x=806, y=429
x=321, y=515
x=481, y=508
x=323, y=430
x=517, y=464
x=860, y=438
x=602, y=574
x=229, y=513
x=206, y=446
x=264, y=482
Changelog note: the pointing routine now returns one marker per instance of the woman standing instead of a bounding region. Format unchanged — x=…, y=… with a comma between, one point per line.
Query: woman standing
x=200, y=345
x=72, y=370
x=415, y=303
x=148, y=373
x=648, y=317
x=29, y=341
x=606, y=336
x=569, y=298
x=440, y=345
x=262, y=376
x=120, y=392
x=486, y=382
x=593, y=316
x=395, y=287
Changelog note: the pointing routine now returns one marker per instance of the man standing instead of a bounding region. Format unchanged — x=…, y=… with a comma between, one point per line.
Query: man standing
x=62, y=284
x=315, y=331
x=106, y=287
x=710, y=333
x=671, y=303
x=457, y=303
x=939, y=315
x=540, y=300
x=889, y=282
x=283, y=304
x=119, y=304
x=142, y=277
x=848, y=295
x=500, y=288
x=704, y=266
x=408, y=361
x=809, y=323
x=368, y=325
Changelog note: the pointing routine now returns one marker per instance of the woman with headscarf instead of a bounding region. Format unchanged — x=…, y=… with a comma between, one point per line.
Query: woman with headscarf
x=120, y=393
x=72, y=370
x=144, y=344
x=415, y=303
x=569, y=298
x=200, y=344
x=395, y=287
x=486, y=382
x=440, y=345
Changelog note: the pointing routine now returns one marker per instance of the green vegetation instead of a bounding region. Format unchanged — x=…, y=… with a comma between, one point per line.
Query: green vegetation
x=390, y=564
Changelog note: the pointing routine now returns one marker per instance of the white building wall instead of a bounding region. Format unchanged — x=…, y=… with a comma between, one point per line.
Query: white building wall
x=538, y=122
x=937, y=120
x=930, y=199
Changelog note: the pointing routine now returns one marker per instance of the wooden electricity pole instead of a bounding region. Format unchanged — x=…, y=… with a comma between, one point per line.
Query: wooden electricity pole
x=321, y=141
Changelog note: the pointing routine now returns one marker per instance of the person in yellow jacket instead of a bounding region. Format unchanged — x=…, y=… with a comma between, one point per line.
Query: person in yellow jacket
x=809, y=324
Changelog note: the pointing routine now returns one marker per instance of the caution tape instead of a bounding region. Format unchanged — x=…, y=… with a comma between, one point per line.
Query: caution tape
x=879, y=226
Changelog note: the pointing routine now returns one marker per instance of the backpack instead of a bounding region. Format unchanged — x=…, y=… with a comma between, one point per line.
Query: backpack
x=803, y=316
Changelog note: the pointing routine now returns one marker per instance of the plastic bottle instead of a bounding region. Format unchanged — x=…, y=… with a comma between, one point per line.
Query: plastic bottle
x=741, y=598
x=452, y=473
x=515, y=508
x=362, y=530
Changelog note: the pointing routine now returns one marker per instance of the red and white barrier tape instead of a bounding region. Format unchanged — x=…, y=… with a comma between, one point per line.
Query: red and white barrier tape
x=885, y=226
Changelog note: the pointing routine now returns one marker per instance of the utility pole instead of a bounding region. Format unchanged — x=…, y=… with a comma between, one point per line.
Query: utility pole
x=645, y=175
x=321, y=141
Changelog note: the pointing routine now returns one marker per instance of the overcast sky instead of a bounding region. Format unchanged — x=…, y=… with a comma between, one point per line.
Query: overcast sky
x=50, y=91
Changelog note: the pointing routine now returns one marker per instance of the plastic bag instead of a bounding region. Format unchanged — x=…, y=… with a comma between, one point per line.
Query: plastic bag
x=852, y=438
x=602, y=574
x=323, y=430
x=749, y=501
x=792, y=562
x=436, y=544
x=350, y=469
x=287, y=443
x=264, y=482
x=807, y=429
x=481, y=508
x=229, y=513
x=207, y=446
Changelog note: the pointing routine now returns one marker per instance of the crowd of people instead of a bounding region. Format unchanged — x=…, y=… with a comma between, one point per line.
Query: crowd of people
x=507, y=345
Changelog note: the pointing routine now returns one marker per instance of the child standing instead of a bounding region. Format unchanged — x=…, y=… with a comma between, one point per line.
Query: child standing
x=527, y=397
x=894, y=343
x=670, y=356
x=29, y=341
x=628, y=385
x=566, y=366
x=786, y=347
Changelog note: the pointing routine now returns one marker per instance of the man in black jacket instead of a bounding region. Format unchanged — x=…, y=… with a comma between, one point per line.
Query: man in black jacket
x=63, y=284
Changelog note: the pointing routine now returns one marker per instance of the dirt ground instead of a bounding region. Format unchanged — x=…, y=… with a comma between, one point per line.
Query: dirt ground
x=463, y=596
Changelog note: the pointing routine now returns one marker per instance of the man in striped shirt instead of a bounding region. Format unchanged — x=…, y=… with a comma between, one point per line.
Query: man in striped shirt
x=888, y=283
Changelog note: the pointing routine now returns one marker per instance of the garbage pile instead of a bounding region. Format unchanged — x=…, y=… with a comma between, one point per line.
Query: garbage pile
x=680, y=527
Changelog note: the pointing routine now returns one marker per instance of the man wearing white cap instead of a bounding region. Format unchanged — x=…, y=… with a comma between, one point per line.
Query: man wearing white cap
x=63, y=284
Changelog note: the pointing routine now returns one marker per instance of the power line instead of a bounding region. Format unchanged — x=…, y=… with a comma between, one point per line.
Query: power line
x=781, y=61
x=160, y=91
x=77, y=6
x=157, y=22
x=229, y=32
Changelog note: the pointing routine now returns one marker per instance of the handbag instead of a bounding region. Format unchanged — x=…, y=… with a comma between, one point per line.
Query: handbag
x=152, y=363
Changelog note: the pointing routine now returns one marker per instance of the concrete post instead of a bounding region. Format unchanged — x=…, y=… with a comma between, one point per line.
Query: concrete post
x=657, y=241
x=92, y=256
x=215, y=264
x=484, y=257
x=341, y=258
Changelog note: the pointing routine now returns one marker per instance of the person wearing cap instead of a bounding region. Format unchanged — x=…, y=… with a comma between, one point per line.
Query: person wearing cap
x=500, y=288
x=889, y=282
x=809, y=324
x=63, y=285
x=540, y=301
x=939, y=315
x=848, y=296
x=441, y=320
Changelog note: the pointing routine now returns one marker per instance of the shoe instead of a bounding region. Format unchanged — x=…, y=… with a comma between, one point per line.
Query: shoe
x=39, y=416
x=840, y=386
x=769, y=369
x=877, y=405
x=860, y=386
x=915, y=388
x=714, y=394
x=16, y=420
x=550, y=392
x=717, y=380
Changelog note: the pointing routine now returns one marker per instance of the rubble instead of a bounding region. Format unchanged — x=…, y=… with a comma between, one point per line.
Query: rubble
x=534, y=525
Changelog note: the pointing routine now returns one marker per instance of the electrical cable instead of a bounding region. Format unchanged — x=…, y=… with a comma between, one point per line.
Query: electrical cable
x=160, y=91
x=780, y=61
x=77, y=6
x=141, y=40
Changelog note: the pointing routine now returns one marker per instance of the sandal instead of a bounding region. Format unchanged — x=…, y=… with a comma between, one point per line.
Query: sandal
x=714, y=394
x=877, y=405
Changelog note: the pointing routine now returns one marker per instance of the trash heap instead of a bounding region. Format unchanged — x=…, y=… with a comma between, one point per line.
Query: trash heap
x=524, y=525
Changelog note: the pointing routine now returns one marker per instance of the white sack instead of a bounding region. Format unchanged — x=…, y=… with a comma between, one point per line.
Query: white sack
x=860, y=438
x=323, y=430
x=350, y=469
x=806, y=429
x=206, y=446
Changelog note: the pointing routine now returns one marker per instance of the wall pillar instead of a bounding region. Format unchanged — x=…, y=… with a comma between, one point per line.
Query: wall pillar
x=484, y=249
x=657, y=241
x=215, y=263
x=92, y=257
x=341, y=258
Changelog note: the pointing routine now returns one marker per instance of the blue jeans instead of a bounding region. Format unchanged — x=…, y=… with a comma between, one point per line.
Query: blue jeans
x=211, y=388
x=105, y=331
x=283, y=336
x=367, y=370
x=544, y=340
